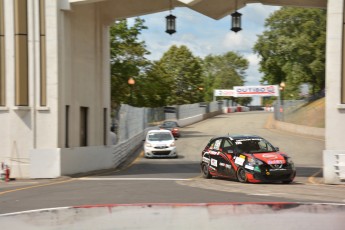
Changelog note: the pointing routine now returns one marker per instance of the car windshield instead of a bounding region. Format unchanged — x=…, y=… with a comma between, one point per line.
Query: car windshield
x=254, y=145
x=159, y=137
x=169, y=124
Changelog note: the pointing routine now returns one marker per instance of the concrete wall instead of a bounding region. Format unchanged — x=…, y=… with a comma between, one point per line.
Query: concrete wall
x=53, y=163
x=132, y=127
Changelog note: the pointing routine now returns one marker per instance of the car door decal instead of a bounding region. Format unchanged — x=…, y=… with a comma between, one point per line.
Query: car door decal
x=214, y=162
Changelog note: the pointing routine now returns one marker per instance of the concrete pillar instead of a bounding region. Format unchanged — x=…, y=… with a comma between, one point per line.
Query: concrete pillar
x=335, y=111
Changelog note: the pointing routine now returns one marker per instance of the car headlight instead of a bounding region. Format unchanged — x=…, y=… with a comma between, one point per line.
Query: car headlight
x=290, y=162
x=254, y=161
x=148, y=145
x=172, y=144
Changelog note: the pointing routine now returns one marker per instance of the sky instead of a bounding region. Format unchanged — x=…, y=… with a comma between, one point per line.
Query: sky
x=205, y=36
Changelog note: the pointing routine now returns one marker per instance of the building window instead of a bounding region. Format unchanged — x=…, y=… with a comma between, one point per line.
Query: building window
x=43, y=68
x=21, y=53
x=343, y=62
x=83, y=125
x=67, y=127
x=105, y=128
x=2, y=55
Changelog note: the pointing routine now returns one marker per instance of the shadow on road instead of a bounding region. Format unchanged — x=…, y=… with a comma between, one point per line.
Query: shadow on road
x=191, y=134
x=309, y=171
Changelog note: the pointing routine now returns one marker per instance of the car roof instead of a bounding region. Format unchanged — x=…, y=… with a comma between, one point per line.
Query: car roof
x=159, y=131
x=244, y=136
x=169, y=122
x=239, y=136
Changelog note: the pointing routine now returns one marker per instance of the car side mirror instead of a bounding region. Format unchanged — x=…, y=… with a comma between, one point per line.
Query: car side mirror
x=277, y=149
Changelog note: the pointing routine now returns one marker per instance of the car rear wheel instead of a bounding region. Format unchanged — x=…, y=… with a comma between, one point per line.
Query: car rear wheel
x=241, y=175
x=205, y=172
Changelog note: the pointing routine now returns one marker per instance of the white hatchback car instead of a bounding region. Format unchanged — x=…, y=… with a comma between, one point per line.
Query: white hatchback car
x=160, y=143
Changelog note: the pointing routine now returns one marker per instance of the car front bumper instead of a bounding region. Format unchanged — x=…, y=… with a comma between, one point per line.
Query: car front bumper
x=160, y=153
x=272, y=175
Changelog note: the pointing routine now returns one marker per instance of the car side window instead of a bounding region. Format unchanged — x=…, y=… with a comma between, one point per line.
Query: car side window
x=215, y=144
x=265, y=146
x=227, y=145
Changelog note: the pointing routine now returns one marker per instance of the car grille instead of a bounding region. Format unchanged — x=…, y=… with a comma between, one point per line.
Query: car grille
x=279, y=166
x=277, y=172
x=161, y=147
x=161, y=153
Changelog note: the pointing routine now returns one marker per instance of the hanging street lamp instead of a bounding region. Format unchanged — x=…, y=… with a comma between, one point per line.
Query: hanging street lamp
x=171, y=24
x=236, y=21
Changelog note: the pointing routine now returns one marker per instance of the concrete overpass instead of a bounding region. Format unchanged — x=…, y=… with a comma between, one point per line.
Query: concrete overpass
x=55, y=79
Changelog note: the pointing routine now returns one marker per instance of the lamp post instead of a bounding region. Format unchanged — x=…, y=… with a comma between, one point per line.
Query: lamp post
x=131, y=83
x=282, y=87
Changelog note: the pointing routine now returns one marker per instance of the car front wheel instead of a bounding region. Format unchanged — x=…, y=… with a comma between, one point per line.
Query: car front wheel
x=205, y=172
x=241, y=175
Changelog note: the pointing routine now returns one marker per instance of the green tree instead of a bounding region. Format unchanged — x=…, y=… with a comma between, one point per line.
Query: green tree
x=183, y=76
x=155, y=87
x=127, y=60
x=292, y=49
x=223, y=72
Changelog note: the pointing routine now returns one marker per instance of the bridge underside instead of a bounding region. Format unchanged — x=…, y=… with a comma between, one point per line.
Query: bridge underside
x=215, y=9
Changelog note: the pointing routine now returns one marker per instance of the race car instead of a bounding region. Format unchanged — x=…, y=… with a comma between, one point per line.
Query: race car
x=246, y=158
x=172, y=126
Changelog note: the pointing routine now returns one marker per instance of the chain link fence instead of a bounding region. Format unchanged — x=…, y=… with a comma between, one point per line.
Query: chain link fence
x=284, y=109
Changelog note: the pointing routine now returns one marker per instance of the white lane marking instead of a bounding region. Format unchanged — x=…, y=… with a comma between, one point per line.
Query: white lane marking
x=138, y=179
x=265, y=194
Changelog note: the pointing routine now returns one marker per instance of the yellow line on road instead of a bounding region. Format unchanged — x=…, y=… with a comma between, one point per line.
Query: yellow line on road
x=37, y=186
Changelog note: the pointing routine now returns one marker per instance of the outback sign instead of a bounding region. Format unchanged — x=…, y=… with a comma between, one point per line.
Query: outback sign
x=262, y=90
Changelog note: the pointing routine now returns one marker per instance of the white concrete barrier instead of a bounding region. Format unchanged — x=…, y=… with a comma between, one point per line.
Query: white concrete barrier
x=282, y=216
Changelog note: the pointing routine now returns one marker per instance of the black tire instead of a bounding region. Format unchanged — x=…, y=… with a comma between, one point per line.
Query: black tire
x=205, y=172
x=241, y=175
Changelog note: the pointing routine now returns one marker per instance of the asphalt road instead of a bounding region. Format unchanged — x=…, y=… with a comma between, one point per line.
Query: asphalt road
x=179, y=180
